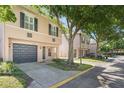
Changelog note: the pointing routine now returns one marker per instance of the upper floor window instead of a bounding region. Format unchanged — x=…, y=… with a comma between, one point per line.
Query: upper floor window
x=28, y=22
x=83, y=39
x=53, y=30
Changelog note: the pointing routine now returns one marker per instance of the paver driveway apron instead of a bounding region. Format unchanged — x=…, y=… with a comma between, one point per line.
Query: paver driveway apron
x=44, y=75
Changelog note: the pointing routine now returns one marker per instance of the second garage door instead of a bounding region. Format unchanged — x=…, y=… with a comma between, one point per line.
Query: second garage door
x=24, y=53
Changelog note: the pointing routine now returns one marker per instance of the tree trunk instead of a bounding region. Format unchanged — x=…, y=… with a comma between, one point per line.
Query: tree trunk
x=70, y=52
x=97, y=48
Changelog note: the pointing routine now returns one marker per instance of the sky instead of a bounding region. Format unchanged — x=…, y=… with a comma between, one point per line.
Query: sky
x=63, y=20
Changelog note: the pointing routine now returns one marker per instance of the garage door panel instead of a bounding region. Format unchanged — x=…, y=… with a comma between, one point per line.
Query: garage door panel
x=24, y=53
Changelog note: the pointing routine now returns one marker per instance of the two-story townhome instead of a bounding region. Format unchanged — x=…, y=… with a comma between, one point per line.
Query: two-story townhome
x=32, y=38
x=81, y=46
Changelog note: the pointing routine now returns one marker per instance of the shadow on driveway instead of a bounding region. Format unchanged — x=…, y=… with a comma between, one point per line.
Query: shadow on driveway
x=119, y=65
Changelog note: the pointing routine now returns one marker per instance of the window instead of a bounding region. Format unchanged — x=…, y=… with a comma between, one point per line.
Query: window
x=83, y=39
x=29, y=22
x=53, y=30
x=49, y=51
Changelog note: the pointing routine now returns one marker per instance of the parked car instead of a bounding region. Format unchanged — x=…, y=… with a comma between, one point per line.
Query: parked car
x=90, y=55
x=101, y=56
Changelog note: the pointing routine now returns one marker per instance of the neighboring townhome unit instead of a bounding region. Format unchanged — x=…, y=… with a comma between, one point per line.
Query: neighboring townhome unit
x=32, y=38
x=93, y=46
x=81, y=46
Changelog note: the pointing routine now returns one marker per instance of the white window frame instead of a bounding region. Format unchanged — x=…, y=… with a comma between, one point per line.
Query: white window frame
x=53, y=30
x=29, y=22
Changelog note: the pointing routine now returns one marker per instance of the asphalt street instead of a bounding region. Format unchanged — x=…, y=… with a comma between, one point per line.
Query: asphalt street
x=112, y=71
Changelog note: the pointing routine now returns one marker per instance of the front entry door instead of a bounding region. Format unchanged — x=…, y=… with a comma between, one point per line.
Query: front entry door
x=44, y=50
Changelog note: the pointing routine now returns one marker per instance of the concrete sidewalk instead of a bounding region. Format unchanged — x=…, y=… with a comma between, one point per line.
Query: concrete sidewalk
x=43, y=75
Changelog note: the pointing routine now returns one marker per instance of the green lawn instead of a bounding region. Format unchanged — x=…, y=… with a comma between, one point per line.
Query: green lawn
x=64, y=66
x=18, y=79
x=91, y=60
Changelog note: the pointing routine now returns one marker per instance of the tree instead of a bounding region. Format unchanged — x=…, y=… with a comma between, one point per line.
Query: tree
x=102, y=34
x=114, y=46
x=74, y=18
x=6, y=14
x=119, y=44
x=103, y=28
x=106, y=48
x=102, y=23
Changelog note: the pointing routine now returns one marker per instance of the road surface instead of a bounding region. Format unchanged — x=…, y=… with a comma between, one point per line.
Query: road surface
x=112, y=72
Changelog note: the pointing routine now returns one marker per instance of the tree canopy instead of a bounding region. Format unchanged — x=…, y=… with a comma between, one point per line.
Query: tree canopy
x=6, y=14
x=102, y=23
x=105, y=25
x=74, y=18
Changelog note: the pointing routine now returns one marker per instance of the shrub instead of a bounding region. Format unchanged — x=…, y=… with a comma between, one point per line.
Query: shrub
x=58, y=60
x=6, y=67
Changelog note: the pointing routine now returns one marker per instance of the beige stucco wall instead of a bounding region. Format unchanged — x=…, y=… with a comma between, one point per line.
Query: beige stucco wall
x=42, y=20
x=39, y=49
x=93, y=46
x=20, y=33
x=15, y=34
x=13, y=37
x=63, y=48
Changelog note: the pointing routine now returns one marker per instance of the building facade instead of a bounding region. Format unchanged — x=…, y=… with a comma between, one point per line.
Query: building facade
x=93, y=46
x=32, y=38
x=81, y=46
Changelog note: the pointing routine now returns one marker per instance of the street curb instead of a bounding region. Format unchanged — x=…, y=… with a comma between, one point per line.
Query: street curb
x=69, y=79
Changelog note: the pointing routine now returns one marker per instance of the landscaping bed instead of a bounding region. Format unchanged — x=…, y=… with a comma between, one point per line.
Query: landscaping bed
x=62, y=64
x=13, y=77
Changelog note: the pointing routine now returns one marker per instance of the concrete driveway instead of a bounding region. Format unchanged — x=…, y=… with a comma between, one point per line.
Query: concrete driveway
x=43, y=75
